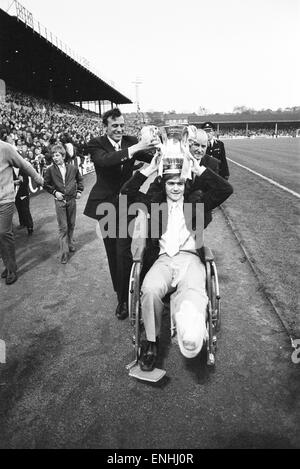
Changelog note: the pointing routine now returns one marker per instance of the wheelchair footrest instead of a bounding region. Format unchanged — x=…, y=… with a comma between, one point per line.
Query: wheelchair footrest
x=152, y=376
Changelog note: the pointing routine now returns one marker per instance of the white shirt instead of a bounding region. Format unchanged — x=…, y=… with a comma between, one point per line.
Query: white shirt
x=177, y=237
x=117, y=146
x=211, y=142
x=62, y=168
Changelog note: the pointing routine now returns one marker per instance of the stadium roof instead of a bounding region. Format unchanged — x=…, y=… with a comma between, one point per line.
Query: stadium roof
x=32, y=64
x=257, y=117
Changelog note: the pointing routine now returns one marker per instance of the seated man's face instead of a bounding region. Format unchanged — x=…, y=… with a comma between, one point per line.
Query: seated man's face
x=198, y=148
x=175, y=188
x=115, y=128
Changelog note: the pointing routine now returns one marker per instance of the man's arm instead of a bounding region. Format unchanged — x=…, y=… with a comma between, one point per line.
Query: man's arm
x=16, y=160
x=103, y=158
x=211, y=163
x=131, y=187
x=217, y=189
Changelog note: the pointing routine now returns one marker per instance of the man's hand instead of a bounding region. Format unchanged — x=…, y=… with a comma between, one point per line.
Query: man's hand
x=59, y=196
x=195, y=166
x=153, y=166
x=143, y=145
x=78, y=195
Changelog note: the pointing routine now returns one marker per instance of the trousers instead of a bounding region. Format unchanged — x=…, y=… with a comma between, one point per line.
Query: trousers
x=66, y=217
x=185, y=275
x=23, y=208
x=7, y=239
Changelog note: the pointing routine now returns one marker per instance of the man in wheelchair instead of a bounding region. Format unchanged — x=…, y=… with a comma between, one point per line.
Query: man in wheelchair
x=171, y=257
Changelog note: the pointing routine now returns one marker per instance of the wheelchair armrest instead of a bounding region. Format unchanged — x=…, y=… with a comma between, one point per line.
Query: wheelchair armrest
x=208, y=255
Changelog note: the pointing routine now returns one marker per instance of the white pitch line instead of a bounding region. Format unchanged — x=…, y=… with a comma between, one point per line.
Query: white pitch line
x=267, y=179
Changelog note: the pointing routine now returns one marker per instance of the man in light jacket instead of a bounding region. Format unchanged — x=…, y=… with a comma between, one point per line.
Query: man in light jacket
x=9, y=158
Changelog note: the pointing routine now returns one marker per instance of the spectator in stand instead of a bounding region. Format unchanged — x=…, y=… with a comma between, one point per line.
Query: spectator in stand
x=65, y=183
x=216, y=149
x=10, y=158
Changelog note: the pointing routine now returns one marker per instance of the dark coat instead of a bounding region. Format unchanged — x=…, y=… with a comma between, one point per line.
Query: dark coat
x=113, y=168
x=217, y=191
x=54, y=181
x=217, y=150
x=211, y=162
x=23, y=190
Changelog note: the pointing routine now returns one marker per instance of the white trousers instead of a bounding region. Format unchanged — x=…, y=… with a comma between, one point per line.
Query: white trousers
x=185, y=273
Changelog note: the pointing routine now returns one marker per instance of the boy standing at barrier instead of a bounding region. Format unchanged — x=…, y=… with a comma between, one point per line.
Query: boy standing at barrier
x=65, y=183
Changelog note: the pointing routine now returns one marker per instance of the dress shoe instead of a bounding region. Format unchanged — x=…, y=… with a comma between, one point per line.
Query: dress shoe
x=64, y=259
x=30, y=231
x=11, y=278
x=122, y=311
x=4, y=273
x=148, y=356
x=72, y=249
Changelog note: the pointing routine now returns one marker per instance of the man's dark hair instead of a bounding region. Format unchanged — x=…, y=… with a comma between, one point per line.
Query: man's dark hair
x=113, y=113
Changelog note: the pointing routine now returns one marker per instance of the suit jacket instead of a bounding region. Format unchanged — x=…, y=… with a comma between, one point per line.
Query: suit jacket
x=211, y=162
x=217, y=150
x=23, y=189
x=54, y=181
x=113, y=168
x=217, y=191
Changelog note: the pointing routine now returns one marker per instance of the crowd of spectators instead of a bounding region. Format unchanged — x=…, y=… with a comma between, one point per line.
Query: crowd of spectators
x=33, y=124
x=257, y=132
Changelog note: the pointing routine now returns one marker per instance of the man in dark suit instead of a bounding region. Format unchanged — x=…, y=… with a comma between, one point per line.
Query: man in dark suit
x=22, y=201
x=216, y=149
x=114, y=156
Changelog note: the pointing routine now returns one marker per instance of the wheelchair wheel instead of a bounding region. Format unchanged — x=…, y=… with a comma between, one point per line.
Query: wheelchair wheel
x=211, y=342
x=216, y=307
x=134, y=306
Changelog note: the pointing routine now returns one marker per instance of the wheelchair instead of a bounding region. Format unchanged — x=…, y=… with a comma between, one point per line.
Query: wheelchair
x=213, y=316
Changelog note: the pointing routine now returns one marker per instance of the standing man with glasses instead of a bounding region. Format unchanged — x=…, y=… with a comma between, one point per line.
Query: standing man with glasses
x=114, y=155
x=216, y=149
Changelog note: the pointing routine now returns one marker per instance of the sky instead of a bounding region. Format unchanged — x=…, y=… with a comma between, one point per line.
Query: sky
x=187, y=54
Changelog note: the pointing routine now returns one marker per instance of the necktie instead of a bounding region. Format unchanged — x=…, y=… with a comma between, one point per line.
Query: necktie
x=172, y=239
